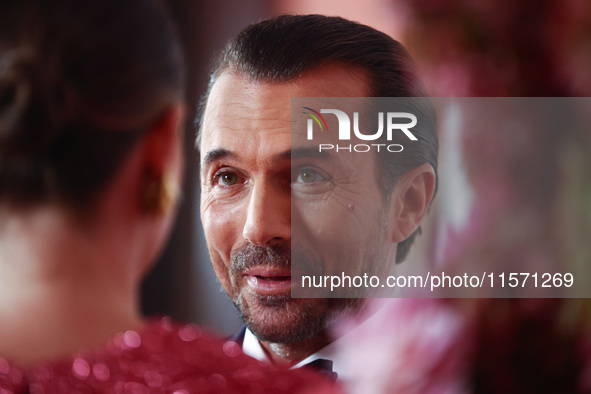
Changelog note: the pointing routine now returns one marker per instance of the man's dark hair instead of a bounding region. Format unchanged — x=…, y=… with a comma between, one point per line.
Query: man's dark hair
x=284, y=48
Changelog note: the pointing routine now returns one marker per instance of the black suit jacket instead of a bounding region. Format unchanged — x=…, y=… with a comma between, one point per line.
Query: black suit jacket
x=238, y=337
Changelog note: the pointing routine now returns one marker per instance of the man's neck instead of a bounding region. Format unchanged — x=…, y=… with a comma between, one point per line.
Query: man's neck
x=292, y=353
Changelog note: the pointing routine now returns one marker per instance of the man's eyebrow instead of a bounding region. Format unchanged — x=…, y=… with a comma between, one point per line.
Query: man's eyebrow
x=217, y=154
x=308, y=152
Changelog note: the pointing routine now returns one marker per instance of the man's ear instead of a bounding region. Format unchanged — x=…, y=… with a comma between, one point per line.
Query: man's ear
x=410, y=201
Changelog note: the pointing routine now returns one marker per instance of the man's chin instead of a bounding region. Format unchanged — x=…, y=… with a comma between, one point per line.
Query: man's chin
x=282, y=319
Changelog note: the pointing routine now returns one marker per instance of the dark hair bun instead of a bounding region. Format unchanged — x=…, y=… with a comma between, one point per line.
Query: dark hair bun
x=29, y=105
x=15, y=92
x=80, y=83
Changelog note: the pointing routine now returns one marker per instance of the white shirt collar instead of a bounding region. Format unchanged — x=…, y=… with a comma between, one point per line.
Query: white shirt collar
x=252, y=347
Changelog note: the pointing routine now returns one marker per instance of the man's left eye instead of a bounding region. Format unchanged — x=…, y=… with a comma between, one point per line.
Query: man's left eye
x=309, y=175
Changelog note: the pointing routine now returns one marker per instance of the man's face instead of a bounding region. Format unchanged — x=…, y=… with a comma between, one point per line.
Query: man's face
x=256, y=183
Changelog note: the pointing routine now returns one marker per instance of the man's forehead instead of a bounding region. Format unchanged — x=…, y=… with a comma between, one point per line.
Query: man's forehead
x=236, y=105
x=331, y=80
x=241, y=111
x=235, y=91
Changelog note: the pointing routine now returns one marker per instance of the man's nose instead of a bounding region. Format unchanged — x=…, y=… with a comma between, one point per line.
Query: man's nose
x=268, y=217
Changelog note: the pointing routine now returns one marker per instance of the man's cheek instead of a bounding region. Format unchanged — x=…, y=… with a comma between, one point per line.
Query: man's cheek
x=221, y=236
x=222, y=272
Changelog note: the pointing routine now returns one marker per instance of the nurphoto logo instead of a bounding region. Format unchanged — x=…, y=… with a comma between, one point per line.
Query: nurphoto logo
x=395, y=122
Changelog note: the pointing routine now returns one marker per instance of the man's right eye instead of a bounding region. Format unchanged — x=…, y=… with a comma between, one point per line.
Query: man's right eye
x=227, y=179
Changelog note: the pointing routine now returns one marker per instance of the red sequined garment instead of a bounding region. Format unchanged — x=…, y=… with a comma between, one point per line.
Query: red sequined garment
x=164, y=358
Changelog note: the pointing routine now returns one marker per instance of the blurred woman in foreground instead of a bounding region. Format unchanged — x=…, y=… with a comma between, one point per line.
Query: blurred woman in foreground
x=91, y=108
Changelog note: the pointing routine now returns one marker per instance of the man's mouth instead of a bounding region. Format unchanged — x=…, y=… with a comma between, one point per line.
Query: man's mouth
x=269, y=280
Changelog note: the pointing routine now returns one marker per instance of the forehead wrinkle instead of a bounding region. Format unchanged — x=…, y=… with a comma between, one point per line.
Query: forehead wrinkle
x=249, y=118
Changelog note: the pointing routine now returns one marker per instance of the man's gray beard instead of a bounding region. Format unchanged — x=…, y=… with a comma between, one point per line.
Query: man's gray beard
x=282, y=319
x=266, y=315
x=311, y=320
x=314, y=316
